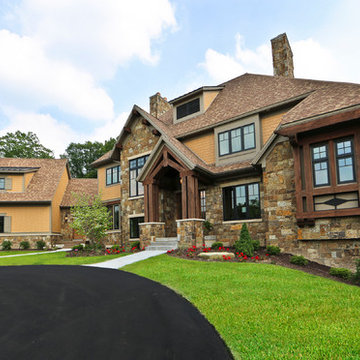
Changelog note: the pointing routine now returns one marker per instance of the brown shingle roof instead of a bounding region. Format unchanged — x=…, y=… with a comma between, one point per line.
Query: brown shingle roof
x=79, y=186
x=103, y=159
x=43, y=184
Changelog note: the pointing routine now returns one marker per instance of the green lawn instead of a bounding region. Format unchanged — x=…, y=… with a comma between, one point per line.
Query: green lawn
x=265, y=311
x=16, y=252
x=55, y=259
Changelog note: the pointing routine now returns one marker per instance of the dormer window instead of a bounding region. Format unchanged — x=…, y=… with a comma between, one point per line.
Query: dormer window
x=188, y=108
x=2, y=183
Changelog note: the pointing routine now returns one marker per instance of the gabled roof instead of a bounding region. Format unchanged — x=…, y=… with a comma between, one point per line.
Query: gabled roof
x=79, y=186
x=44, y=182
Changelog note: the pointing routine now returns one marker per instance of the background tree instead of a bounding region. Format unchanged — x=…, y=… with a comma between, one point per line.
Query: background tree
x=82, y=155
x=22, y=145
x=90, y=218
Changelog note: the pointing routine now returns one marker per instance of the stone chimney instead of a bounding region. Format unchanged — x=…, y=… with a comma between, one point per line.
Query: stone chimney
x=158, y=105
x=282, y=56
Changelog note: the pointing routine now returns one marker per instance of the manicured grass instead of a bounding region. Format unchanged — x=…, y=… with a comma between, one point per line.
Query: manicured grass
x=55, y=259
x=264, y=311
x=16, y=252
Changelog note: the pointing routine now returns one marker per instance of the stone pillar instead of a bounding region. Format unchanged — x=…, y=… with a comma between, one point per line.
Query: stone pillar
x=190, y=232
x=282, y=56
x=149, y=231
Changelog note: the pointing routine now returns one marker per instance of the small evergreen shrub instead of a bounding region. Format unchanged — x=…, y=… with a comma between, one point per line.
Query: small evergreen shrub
x=256, y=245
x=356, y=276
x=217, y=244
x=341, y=273
x=40, y=244
x=273, y=250
x=6, y=245
x=115, y=247
x=299, y=260
x=24, y=245
x=208, y=226
x=79, y=247
x=244, y=244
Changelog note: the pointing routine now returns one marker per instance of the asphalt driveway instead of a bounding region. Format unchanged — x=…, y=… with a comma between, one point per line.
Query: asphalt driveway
x=74, y=312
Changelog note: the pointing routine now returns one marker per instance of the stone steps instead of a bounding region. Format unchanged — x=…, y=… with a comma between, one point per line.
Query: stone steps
x=163, y=244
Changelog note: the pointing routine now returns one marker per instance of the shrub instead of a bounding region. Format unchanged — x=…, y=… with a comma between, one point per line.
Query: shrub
x=40, y=244
x=299, y=260
x=24, y=245
x=6, y=245
x=245, y=244
x=341, y=273
x=217, y=244
x=357, y=271
x=208, y=226
x=79, y=247
x=135, y=245
x=256, y=245
x=94, y=246
x=273, y=250
x=115, y=247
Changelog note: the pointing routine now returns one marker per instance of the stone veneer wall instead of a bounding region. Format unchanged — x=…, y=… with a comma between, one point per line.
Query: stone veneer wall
x=190, y=232
x=50, y=239
x=229, y=232
x=150, y=231
x=66, y=230
x=331, y=241
x=139, y=141
x=168, y=211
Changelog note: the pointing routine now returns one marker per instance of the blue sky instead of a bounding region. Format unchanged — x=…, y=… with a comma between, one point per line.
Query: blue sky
x=70, y=70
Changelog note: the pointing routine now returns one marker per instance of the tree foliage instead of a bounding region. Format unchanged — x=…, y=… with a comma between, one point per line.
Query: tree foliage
x=82, y=155
x=90, y=218
x=23, y=145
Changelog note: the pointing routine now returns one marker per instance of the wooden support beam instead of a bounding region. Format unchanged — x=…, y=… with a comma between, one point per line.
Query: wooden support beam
x=119, y=146
x=145, y=122
x=156, y=132
x=127, y=130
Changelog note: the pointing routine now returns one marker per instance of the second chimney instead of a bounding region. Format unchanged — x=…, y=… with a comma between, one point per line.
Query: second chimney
x=282, y=56
x=158, y=105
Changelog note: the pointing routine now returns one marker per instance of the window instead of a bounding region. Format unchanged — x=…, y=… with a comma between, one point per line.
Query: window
x=2, y=224
x=134, y=227
x=203, y=204
x=188, y=108
x=320, y=165
x=241, y=202
x=136, y=188
x=2, y=183
x=345, y=161
x=113, y=175
x=114, y=210
x=236, y=140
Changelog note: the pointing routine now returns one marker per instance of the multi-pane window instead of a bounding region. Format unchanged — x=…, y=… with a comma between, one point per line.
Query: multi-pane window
x=320, y=162
x=113, y=175
x=136, y=188
x=236, y=140
x=114, y=211
x=203, y=204
x=241, y=202
x=134, y=227
x=2, y=183
x=2, y=224
x=188, y=108
x=345, y=161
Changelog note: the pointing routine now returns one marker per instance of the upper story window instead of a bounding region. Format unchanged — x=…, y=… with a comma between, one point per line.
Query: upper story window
x=188, y=108
x=345, y=161
x=136, y=188
x=113, y=175
x=241, y=202
x=2, y=183
x=320, y=162
x=236, y=140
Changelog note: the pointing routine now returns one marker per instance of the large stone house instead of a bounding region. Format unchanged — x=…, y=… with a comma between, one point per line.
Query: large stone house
x=35, y=198
x=278, y=153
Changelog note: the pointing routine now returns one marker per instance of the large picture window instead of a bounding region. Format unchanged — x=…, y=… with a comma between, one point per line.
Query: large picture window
x=134, y=227
x=236, y=140
x=136, y=188
x=113, y=175
x=241, y=202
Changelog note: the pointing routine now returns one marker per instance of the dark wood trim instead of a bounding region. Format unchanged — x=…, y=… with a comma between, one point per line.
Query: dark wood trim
x=156, y=132
x=127, y=130
x=145, y=122
x=119, y=146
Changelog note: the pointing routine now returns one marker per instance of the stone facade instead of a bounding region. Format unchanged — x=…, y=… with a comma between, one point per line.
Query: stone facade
x=150, y=231
x=282, y=56
x=168, y=210
x=50, y=239
x=190, y=232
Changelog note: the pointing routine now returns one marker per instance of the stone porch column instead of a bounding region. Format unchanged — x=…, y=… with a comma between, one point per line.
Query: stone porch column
x=149, y=231
x=190, y=232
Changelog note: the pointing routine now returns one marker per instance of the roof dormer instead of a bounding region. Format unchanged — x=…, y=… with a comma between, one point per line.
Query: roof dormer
x=194, y=103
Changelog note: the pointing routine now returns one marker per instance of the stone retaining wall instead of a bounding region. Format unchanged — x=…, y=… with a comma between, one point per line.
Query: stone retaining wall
x=49, y=239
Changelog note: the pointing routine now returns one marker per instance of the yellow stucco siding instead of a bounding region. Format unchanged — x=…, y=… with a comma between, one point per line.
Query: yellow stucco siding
x=34, y=219
x=110, y=192
x=209, y=97
x=28, y=177
x=269, y=123
x=55, y=205
x=203, y=146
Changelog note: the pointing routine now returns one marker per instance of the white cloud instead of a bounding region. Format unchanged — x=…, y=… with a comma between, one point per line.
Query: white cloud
x=28, y=76
x=98, y=35
x=51, y=133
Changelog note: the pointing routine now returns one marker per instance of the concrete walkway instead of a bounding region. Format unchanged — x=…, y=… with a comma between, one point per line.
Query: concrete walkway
x=35, y=253
x=126, y=260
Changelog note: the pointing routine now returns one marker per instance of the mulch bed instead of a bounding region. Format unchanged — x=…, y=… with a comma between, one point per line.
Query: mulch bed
x=282, y=259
